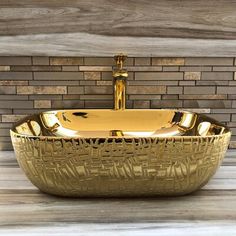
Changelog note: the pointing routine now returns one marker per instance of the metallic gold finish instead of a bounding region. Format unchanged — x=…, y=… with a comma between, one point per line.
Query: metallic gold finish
x=120, y=75
x=119, y=153
x=120, y=58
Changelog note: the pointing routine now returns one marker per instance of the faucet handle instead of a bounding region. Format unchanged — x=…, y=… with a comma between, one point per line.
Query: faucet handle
x=120, y=58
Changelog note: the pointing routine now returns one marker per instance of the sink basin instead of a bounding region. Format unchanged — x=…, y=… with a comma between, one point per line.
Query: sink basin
x=119, y=153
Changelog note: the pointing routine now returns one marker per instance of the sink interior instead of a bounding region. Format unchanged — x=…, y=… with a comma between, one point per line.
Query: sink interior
x=122, y=123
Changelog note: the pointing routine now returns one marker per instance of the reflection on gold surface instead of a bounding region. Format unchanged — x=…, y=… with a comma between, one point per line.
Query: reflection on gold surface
x=30, y=127
x=203, y=128
x=122, y=123
x=188, y=120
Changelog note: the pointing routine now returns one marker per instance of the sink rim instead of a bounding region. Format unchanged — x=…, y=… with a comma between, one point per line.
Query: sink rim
x=186, y=137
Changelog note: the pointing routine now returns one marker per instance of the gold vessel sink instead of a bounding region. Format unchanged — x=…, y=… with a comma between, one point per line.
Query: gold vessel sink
x=119, y=152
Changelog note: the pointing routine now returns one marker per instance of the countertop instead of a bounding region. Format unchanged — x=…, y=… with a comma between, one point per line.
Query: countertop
x=24, y=210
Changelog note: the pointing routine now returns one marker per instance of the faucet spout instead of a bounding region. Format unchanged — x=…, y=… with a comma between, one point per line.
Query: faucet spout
x=120, y=75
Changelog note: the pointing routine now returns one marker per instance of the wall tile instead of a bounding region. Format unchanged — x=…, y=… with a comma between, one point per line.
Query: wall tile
x=174, y=90
x=12, y=118
x=144, y=97
x=41, y=90
x=142, y=61
x=216, y=83
x=75, y=90
x=28, y=111
x=141, y=104
x=226, y=90
x=92, y=75
x=199, y=90
x=70, y=68
x=67, y=104
x=221, y=117
x=233, y=104
x=159, y=76
x=13, y=97
x=97, y=97
x=170, y=68
x=99, y=104
x=66, y=61
x=153, y=82
x=233, y=83
x=209, y=61
x=58, y=76
x=201, y=96
x=35, y=68
x=192, y=75
x=40, y=60
x=87, y=82
x=102, y=82
x=42, y=104
x=14, y=82
x=207, y=103
x=95, y=68
x=71, y=97
x=223, y=110
x=98, y=90
x=54, y=82
x=7, y=90
x=166, y=104
x=15, y=61
x=195, y=68
x=217, y=76
x=4, y=132
x=5, y=111
x=186, y=83
x=16, y=76
x=4, y=68
x=143, y=68
x=7, y=146
x=231, y=96
x=167, y=61
x=146, y=89
x=104, y=61
x=224, y=68
x=16, y=104
x=45, y=97
x=169, y=97
x=9, y=125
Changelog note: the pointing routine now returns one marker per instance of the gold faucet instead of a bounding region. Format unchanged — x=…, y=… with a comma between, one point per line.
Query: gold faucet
x=120, y=75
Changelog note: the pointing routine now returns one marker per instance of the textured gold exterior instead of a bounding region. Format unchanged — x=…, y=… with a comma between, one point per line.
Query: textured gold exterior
x=175, y=155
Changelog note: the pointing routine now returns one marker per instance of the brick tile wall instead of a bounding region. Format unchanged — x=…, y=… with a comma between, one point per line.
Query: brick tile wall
x=34, y=84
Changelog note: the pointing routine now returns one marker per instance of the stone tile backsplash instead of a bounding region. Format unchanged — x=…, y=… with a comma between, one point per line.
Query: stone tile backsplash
x=33, y=84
